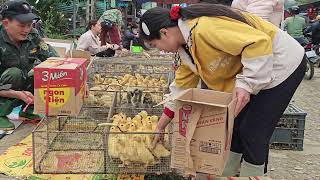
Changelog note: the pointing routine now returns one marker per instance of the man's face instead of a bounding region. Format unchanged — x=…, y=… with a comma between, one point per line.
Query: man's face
x=16, y=30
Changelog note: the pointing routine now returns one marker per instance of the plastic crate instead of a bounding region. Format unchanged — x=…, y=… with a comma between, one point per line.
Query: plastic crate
x=289, y=133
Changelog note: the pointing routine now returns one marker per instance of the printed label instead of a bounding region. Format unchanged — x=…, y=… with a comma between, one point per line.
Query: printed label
x=53, y=76
x=210, y=147
x=57, y=96
x=184, y=113
x=211, y=120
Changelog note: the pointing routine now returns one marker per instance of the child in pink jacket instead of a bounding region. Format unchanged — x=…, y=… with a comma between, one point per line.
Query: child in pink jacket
x=270, y=10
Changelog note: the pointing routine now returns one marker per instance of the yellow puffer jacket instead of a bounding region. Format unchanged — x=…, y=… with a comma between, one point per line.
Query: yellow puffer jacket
x=228, y=53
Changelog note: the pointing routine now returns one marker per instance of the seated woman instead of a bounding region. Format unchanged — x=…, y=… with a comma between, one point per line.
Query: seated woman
x=90, y=41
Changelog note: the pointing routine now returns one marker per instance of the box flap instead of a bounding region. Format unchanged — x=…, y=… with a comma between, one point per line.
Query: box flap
x=174, y=97
x=201, y=96
x=61, y=46
x=79, y=54
x=60, y=50
x=230, y=118
x=62, y=63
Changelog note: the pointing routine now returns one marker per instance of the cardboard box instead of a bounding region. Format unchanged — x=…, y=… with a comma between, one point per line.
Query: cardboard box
x=79, y=54
x=203, y=126
x=64, y=79
x=61, y=46
x=240, y=178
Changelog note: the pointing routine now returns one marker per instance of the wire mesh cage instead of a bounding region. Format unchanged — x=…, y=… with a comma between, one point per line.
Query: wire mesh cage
x=131, y=65
x=117, y=81
x=100, y=95
x=70, y=144
x=129, y=140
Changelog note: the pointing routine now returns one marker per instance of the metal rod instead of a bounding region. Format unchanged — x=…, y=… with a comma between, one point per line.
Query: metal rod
x=74, y=18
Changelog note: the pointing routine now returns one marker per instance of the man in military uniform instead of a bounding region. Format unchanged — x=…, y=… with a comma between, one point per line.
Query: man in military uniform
x=21, y=48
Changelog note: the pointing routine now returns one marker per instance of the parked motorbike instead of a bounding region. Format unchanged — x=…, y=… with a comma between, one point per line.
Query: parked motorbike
x=312, y=55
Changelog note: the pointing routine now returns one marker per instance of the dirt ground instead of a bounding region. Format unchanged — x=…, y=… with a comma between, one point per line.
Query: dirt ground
x=304, y=164
x=284, y=165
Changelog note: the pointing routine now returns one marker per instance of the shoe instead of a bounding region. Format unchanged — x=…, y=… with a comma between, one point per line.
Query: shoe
x=248, y=169
x=232, y=165
x=5, y=124
x=29, y=115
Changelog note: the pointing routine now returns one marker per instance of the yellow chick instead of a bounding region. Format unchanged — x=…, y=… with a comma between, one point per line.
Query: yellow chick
x=123, y=126
x=163, y=78
x=116, y=121
x=143, y=154
x=148, y=77
x=148, y=137
x=136, y=137
x=129, y=119
x=160, y=151
x=132, y=127
x=140, y=83
x=154, y=118
x=97, y=79
x=150, y=84
x=143, y=114
x=127, y=76
x=107, y=81
x=138, y=76
x=145, y=120
x=91, y=99
x=154, y=80
x=114, y=144
x=137, y=120
x=123, y=115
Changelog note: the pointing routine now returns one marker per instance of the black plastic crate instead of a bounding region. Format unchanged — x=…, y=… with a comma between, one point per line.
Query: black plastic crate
x=289, y=133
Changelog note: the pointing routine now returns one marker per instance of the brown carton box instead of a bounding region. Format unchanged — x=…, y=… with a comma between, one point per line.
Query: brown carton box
x=60, y=82
x=240, y=178
x=202, y=134
x=61, y=46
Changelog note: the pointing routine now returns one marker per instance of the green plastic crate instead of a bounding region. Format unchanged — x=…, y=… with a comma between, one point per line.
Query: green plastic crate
x=289, y=133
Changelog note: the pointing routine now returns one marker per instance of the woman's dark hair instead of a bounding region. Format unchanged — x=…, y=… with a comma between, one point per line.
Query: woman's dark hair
x=158, y=18
x=224, y=2
x=91, y=23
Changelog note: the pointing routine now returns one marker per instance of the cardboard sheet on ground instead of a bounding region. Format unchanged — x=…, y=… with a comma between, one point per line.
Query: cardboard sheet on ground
x=17, y=162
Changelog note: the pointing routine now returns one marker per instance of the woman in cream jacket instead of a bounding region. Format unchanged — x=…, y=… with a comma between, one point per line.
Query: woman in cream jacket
x=269, y=10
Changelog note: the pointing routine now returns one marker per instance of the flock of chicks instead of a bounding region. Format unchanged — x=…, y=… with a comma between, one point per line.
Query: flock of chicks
x=130, y=140
x=99, y=99
x=123, y=68
x=134, y=99
x=128, y=80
